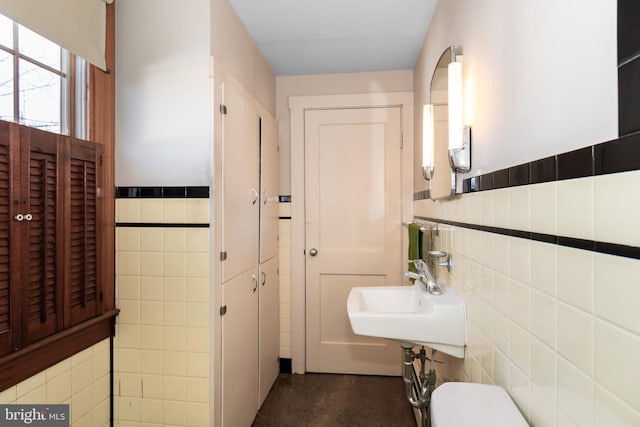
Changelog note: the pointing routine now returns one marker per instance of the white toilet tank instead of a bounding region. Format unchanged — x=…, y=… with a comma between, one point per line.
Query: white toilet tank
x=473, y=405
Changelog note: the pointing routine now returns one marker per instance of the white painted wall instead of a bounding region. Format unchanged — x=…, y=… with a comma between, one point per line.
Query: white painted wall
x=540, y=76
x=164, y=119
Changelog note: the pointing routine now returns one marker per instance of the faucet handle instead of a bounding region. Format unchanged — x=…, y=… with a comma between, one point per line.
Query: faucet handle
x=420, y=264
x=412, y=275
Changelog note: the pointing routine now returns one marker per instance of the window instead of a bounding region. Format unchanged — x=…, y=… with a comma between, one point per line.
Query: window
x=50, y=87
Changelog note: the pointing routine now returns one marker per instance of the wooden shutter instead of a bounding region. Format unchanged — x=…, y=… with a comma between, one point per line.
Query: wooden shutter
x=43, y=284
x=6, y=290
x=84, y=290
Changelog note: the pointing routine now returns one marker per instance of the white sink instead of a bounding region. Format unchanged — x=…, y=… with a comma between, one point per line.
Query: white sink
x=411, y=316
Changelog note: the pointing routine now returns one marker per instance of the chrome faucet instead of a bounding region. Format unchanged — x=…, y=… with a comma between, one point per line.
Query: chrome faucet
x=424, y=276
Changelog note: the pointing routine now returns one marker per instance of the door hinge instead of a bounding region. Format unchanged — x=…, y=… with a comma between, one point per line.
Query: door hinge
x=223, y=256
x=223, y=109
x=401, y=140
x=223, y=310
x=101, y=296
x=101, y=159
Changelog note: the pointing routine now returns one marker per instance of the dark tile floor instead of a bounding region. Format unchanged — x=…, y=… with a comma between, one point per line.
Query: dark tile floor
x=328, y=400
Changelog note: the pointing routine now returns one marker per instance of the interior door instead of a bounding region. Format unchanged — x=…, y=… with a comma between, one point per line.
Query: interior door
x=240, y=350
x=353, y=231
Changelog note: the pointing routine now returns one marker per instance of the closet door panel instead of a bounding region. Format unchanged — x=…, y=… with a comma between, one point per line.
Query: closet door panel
x=9, y=255
x=41, y=161
x=269, y=326
x=240, y=192
x=240, y=350
x=269, y=165
x=83, y=291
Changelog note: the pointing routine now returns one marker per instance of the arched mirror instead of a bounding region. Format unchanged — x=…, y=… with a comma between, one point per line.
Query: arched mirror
x=443, y=179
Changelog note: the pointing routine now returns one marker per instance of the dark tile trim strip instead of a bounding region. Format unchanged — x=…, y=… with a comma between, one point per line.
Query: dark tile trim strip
x=422, y=195
x=284, y=199
x=519, y=175
x=161, y=225
x=587, y=245
x=615, y=156
x=545, y=238
x=501, y=178
x=285, y=217
x=624, y=61
x=285, y=366
x=194, y=192
x=575, y=164
x=486, y=182
x=621, y=155
x=543, y=170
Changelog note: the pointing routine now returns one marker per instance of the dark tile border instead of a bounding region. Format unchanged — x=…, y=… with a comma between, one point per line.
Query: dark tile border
x=422, y=195
x=543, y=170
x=575, y=164
x=587, y=245
x=615, y=156
x=161, y=225
x=285, y=199
x=519, y=175
x=501, y=178
x=621, y=155
x=193, y=192
x=628, y=30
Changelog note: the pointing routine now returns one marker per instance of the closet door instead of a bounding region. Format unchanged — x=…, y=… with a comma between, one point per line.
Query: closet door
x=269, y=326
x=269, y=211
x=240, y=192
x=240, y=350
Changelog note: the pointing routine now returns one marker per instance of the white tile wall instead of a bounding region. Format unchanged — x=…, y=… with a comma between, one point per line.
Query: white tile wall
x=82, y=381
x=162, y=337
x=557, y=327
x=619, y=224
x=285, y=280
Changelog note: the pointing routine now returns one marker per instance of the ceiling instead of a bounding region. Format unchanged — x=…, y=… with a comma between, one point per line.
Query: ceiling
x=336, y=36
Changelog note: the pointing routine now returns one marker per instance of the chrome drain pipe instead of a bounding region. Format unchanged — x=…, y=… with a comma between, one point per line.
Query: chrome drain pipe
x=419, y=388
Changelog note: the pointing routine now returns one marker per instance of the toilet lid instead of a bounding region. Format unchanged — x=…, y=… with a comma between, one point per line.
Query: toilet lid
x=476, y=405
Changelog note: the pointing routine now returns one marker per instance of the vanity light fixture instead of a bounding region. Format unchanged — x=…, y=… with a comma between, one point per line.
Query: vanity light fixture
x=427, y=141
x=459, y=134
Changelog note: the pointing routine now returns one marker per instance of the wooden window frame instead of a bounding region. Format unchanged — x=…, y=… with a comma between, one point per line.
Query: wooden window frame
x=33, y=358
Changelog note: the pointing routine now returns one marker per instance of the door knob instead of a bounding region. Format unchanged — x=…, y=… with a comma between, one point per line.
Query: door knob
x=313, y=252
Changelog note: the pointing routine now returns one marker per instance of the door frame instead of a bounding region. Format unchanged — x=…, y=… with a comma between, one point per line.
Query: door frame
x=298, y=105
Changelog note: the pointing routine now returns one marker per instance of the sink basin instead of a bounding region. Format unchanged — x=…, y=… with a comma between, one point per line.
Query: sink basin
x=411, y=316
